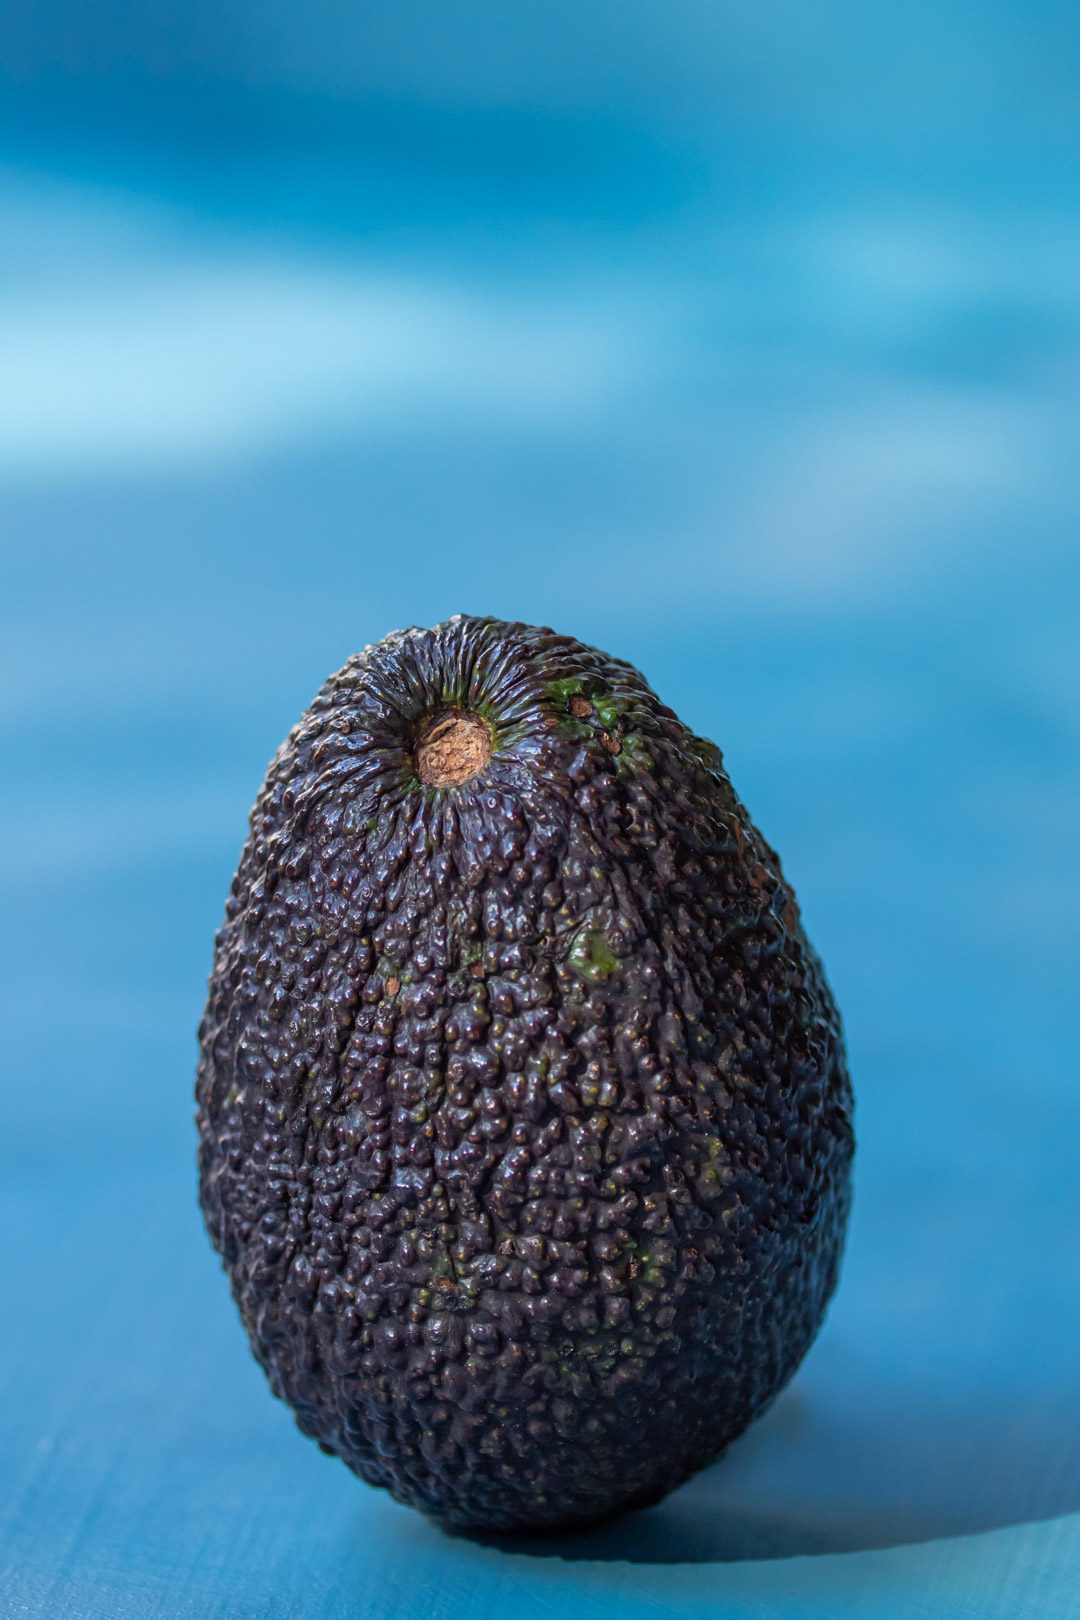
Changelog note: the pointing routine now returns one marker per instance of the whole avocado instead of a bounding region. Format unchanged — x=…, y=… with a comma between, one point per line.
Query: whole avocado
x=525, y=1128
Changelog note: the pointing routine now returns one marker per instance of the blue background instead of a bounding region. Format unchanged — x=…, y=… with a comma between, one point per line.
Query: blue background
x=742, y=342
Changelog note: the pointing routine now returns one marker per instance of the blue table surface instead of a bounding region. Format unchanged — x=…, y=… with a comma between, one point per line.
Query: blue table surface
x=803, y=452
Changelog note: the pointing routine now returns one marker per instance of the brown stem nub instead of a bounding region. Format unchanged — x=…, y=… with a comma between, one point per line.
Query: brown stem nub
x=451, y=748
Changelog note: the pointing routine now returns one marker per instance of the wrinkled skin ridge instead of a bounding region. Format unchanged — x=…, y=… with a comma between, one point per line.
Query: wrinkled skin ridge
x=525, y=1129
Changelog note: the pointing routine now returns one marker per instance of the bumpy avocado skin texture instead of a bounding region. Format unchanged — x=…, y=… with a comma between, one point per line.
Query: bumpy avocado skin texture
x=525, y=1128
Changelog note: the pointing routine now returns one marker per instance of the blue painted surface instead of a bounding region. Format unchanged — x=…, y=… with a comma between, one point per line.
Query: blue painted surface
x=745, y=349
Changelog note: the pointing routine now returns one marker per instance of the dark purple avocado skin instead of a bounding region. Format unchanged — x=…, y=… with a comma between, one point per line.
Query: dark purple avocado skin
x=525, y=1129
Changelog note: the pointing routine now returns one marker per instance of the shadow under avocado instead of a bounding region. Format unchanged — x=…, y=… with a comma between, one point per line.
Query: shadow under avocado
x=806, y=1480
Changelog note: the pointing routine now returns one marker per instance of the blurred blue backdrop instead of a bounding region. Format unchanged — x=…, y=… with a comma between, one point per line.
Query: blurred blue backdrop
x=743, y=342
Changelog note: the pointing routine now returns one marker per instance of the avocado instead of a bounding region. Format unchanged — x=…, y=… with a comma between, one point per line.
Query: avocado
x=525, y=1127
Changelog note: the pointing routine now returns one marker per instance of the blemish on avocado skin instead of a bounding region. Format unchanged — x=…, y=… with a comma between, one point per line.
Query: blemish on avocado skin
x=591, y=956
x=563, y=694
x=587, y=715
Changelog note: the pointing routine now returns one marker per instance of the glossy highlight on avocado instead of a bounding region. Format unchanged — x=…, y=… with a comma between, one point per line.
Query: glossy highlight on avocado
x=525, y=1129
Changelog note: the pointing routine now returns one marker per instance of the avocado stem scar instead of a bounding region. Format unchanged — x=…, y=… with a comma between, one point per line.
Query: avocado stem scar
x=452, y=747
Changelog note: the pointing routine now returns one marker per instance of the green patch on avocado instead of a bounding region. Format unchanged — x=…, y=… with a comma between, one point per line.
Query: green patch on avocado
x=634, y=754
x=592, y=956
x=562, y=691
x=609, y=709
